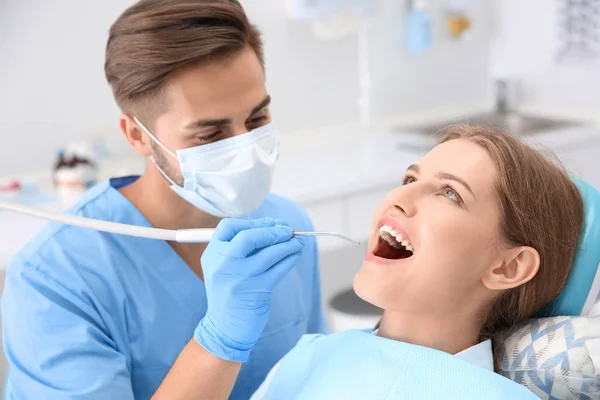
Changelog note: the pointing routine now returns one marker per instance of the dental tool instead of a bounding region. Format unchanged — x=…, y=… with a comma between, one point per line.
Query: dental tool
x=331, y=234
x=200, y=235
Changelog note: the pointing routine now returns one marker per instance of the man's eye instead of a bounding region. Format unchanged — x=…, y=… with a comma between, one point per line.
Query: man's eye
x=257, y=120
x=208, y=138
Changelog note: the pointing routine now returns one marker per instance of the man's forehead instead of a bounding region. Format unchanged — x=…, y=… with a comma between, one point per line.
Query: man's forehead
x=214, y=95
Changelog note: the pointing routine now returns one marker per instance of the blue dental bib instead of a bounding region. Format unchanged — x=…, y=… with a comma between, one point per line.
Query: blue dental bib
x=357, y=365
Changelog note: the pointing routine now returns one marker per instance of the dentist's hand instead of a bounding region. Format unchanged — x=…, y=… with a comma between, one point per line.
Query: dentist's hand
x=242, y=265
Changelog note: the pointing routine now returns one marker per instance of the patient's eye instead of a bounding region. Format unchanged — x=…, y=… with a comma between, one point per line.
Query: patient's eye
x=408, y=179
x=450, y=193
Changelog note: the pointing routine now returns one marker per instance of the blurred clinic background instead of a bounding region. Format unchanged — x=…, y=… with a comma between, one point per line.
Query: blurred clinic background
x=360, y=88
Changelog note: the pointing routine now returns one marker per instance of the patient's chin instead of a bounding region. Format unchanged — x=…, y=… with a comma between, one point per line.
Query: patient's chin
x=367, y=288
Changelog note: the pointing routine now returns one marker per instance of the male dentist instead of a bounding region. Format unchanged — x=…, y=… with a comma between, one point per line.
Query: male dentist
x=91, y=315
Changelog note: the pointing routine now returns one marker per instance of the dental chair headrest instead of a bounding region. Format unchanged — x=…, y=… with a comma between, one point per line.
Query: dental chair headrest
x=558, y=357
x=581, y=292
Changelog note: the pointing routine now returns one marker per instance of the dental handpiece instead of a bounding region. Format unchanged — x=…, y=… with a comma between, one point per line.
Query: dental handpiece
x=201, y=235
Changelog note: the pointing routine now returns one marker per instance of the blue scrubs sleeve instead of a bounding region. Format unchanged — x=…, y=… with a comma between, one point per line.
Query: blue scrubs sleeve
x=56, y=343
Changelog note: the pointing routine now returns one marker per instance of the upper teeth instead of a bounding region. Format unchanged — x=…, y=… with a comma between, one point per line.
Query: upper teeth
x=394, y=238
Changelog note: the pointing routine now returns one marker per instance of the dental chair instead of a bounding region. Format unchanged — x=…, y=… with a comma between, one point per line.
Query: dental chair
x=557, y=354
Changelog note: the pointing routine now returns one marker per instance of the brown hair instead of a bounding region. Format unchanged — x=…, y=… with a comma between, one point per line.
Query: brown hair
x=540, y=207
x=154, y=38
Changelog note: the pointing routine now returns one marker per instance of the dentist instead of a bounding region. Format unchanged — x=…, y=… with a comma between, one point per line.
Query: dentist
x=90, y=315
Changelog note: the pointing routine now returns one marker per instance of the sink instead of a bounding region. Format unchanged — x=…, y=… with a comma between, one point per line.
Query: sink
x=519, y=124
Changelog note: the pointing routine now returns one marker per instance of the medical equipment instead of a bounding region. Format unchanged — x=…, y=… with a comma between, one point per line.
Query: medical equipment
x=10, y=187
x=331, y=234
x=418, y=27
x=317, y=10
x=202, y=235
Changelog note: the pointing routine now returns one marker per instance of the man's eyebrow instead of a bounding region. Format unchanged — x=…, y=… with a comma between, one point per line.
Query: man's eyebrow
x=207, y=123
x=266, y=101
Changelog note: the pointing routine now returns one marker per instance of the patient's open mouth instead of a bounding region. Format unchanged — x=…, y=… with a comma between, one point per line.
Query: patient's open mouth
x=391, y=245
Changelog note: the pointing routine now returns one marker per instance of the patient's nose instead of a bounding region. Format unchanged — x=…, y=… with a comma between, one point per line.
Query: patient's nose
x=405, y=199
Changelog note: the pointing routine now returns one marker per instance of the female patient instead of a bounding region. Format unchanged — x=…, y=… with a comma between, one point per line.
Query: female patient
x=480, y=236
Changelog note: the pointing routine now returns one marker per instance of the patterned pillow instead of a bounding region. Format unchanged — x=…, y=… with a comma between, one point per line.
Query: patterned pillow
x=555, y=358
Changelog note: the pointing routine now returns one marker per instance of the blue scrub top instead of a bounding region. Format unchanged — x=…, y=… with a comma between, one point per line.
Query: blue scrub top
x=92, y=315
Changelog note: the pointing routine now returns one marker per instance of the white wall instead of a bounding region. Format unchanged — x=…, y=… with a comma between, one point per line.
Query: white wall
x=525, y=47
x=53, y=88
x=51, y=77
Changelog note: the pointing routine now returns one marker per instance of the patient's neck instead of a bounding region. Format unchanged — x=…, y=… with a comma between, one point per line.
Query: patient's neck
x=449, y=333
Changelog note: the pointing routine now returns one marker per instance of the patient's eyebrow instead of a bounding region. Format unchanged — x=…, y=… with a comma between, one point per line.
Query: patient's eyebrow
x=447, y=176
x=413, y=167
x=444, y=175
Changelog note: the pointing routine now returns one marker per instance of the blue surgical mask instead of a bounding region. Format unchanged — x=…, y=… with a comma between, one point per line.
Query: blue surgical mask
x=228, y=178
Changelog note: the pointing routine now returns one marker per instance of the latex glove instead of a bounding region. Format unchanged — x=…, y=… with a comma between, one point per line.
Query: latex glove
x=242, y=265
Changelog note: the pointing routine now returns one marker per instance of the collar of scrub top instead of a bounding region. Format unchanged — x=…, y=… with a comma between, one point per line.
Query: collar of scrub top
x=581, y=294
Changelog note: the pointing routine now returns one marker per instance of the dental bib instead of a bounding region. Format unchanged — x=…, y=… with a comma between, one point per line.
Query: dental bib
x=357, y=365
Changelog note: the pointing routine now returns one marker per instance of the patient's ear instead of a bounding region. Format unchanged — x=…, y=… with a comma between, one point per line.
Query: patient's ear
x=519, y=266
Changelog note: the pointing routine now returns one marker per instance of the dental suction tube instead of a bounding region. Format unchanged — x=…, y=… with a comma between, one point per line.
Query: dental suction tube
x=201, y=235
x=181, y=236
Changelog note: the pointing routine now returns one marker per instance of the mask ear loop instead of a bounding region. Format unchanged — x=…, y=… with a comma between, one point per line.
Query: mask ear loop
x=164, y=148
x=154, y=138
x=162, y=172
